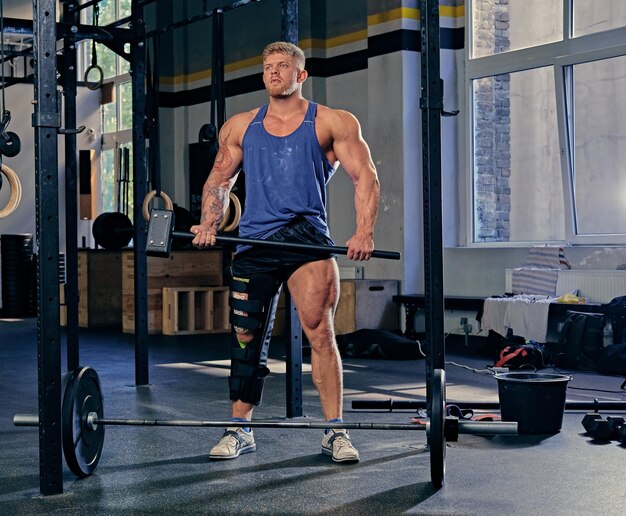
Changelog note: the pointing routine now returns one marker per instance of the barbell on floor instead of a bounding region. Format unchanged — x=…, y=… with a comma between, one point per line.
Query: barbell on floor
x=83, y=424
x=161, y=232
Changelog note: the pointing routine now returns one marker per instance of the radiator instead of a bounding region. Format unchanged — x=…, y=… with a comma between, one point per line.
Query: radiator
x=596, y=286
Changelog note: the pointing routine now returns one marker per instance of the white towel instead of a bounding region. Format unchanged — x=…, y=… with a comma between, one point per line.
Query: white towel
x=494, y=312
x=527, y=316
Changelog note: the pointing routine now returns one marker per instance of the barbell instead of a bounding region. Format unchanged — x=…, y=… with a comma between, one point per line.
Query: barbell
x=83, y=423
x=161, y=232
x=114, y=230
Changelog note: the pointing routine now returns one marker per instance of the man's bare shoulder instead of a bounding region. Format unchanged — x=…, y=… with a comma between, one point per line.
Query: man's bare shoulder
x=237, y=124
x=337, y=120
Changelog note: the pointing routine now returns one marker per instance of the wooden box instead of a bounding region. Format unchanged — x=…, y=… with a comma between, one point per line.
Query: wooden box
x=368, y=304
x=194, y=310
x=181, y=269
x=99, y=289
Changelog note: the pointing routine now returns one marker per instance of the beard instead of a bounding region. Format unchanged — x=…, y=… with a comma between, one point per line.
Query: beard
x=281, y=90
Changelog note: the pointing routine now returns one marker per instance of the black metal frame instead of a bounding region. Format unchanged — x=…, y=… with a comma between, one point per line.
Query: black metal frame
x=47, y=121
x=431, y=104
x=47, y=125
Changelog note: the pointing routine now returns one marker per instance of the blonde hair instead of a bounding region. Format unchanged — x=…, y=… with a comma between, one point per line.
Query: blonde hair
x=282, y=47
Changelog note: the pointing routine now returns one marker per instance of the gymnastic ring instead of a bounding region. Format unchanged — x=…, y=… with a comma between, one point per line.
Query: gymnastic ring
x=221, y=225
x=16, y=191
x=94, y=85
x=145, y=209
x=237, y=204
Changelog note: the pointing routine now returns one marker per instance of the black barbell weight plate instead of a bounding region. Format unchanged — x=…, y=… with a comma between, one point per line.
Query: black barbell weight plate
x=10, y=144
x=112, y=230
x=436, y=434
x=82, y=444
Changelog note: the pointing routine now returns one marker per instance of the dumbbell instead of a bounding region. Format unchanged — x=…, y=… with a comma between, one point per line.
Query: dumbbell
x=603, y=429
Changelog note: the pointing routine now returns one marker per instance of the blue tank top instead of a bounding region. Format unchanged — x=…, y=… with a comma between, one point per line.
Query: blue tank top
x=285, y=176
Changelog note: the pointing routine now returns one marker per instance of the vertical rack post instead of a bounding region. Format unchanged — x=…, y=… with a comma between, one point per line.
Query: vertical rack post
x=46, y=122
x=140, y=190
x=71, y=16
x=289, y=33
x=431, y=104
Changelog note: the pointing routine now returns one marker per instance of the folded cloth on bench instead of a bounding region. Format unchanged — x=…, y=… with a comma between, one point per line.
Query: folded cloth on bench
x=540, y=273
x=494, y=312
x=525, y=315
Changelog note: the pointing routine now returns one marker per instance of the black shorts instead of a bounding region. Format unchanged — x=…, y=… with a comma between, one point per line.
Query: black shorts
x=280, y=262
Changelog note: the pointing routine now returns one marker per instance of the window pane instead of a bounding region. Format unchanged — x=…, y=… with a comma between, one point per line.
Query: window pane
x=518, y=190
x=124, y=65
x=597, y=16
x=107, y=12
x=600, y=146
x=106, y=60
x=126, y=105
x=107, y=180
x=109, y=117
x=503, y=25
x=124, y=9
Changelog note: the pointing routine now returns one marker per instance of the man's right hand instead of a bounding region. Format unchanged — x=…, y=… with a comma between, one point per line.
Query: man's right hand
x=205, y=235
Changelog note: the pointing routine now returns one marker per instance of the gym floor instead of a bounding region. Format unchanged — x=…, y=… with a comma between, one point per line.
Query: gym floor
x=166, y=470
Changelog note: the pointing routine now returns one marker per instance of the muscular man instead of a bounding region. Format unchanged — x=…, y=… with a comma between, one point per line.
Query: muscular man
x=289, y=150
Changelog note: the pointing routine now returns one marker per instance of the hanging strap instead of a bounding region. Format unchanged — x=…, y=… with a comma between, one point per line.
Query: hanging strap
x=94, y=56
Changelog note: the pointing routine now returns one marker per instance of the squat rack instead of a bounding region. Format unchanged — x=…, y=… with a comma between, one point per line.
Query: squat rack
x=46, y=121
x=47, y=126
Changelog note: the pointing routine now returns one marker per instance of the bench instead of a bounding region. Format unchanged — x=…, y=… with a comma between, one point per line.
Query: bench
x=413, y=303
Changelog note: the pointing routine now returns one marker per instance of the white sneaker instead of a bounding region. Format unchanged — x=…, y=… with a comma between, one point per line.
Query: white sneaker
x=233, y=443
x=336, y=443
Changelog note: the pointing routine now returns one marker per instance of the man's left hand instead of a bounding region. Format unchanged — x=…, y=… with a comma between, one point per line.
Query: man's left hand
x=360, y=247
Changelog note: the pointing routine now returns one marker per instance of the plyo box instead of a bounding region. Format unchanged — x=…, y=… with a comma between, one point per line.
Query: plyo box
x=181, y=269
x=367, y=303
x=99, y=289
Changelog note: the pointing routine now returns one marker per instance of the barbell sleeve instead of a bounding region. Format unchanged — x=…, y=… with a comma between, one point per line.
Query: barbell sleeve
x=290, y=246
x=25, y=420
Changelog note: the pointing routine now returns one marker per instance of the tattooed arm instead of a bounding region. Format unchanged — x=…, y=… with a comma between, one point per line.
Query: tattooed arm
x=221, y=179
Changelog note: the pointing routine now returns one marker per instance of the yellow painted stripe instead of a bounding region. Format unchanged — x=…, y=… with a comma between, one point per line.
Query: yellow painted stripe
x=412, y=13
x=393, y=14
x=323, y=44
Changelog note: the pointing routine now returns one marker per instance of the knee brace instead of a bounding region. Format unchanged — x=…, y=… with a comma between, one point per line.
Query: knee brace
x=248, y=366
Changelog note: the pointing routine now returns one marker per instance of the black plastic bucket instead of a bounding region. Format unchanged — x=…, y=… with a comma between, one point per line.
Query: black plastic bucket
x=535, y=400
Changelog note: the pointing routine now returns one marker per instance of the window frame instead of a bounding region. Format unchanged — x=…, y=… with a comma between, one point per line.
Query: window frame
x=561, y=56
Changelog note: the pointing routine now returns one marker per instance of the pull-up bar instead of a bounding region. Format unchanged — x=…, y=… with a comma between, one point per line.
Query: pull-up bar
x=201, y=16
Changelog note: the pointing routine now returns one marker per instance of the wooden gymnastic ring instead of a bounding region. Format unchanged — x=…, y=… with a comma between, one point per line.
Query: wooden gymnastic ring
x=16, y=191
x=224, y=218
x=145, y=209
x=237, y=204
x=94, y=85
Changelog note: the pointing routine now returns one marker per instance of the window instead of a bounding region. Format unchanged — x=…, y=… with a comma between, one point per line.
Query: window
x=116, y=112
x=594, y=16
x=503, y=26
x=600, y=150
x=516, y=184
x=547, y=125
